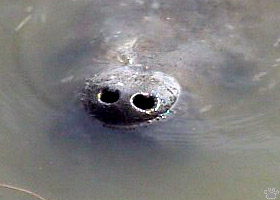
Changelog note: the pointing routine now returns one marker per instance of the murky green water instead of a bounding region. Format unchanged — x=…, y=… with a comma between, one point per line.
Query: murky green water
x=223, y=141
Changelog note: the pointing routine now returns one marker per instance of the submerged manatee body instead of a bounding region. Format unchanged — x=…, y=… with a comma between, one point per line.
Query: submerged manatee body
x=203, y=45
x=183, y=46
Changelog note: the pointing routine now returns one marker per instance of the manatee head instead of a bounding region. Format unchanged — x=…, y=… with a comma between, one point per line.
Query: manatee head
x=130, y=95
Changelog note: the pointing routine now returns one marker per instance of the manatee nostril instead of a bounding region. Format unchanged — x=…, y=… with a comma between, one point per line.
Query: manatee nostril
x=144, y=101
x=109, y=96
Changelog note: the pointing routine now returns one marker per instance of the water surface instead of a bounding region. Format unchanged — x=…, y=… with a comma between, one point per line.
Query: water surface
x=223, y=141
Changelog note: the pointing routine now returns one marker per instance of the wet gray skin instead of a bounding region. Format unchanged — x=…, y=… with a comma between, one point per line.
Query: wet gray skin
x=220, y=139
x=130, y=96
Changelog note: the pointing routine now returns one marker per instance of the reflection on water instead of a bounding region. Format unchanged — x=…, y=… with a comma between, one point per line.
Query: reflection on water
x=223, y=141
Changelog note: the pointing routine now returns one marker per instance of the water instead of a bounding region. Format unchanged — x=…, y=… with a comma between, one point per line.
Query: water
x=223, y=142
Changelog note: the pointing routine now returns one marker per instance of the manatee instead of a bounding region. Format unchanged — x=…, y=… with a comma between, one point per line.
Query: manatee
x=204, y=47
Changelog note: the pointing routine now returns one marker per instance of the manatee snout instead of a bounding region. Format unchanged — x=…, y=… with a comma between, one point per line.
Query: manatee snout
x=130, y=96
